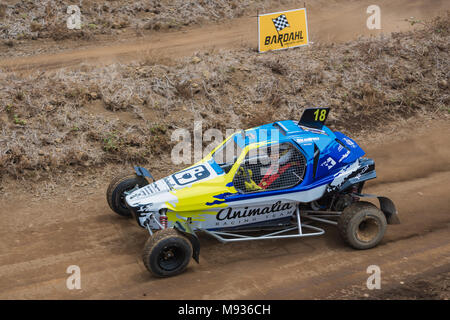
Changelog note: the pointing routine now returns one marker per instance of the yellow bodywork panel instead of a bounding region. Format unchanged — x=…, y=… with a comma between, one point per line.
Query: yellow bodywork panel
x=202, y=197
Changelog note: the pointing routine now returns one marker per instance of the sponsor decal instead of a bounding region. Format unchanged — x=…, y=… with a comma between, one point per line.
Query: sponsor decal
x=191, y=175
x=146, y=208
x=329, y=163
x=148, y=190
x=363, y=170
x=345, y=155
x=313, y=130
x=282, y=30
x=300, y=140
x=141, y=193
x=350, y=142
x=169, y=184
x=231, y=213
x=342, y=175
x=285, y=37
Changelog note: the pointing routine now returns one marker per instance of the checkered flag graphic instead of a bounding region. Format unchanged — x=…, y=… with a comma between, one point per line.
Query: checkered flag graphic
x=280, y=22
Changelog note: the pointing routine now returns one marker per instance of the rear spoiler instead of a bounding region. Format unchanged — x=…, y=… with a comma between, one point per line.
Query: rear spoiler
x=314, y=117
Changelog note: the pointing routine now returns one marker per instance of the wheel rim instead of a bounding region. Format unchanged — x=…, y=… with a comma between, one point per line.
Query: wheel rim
x=368, y=229
x=122, y=203
x=171, y=257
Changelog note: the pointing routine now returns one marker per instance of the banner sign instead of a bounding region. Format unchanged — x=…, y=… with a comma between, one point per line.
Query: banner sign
x=282, y=30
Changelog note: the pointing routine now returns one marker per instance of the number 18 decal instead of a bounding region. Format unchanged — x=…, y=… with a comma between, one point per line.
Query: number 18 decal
x=320, y=114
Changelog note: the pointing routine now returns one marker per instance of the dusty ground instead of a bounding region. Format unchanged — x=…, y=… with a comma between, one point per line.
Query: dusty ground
x=41, y=238
x=328, y=21
x=60, y=217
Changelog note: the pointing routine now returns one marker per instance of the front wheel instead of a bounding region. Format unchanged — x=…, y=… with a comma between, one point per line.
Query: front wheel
x=362, y=225
x=167, y=253
x=118, y=189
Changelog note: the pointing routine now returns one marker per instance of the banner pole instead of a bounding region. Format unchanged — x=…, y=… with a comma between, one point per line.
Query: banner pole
x=257, y=27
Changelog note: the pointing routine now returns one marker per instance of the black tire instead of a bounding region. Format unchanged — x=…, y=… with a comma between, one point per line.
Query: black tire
x=362, y=225
x=115, y=192
x=167, y=253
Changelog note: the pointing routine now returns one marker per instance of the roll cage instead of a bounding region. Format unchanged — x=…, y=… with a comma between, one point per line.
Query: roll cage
x=252, y=158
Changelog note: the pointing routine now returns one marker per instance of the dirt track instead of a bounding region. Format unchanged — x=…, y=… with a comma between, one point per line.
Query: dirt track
x=40, y=240
x=328, y=21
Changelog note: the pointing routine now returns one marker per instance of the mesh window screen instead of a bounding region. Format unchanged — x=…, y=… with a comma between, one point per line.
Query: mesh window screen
x=270, y=168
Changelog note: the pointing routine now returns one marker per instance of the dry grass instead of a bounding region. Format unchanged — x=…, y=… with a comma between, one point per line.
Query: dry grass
x=125, y=113
x=47, y=18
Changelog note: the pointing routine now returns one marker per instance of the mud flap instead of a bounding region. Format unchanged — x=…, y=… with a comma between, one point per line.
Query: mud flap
x=142, y=172
x=387, y=206
x=389, y=210
x=185, y=229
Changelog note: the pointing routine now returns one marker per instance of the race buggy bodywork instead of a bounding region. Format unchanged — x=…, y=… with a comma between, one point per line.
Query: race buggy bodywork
x=280, y=181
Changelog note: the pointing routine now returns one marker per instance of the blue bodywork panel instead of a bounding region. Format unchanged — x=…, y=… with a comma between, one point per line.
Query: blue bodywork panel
x=334, y=150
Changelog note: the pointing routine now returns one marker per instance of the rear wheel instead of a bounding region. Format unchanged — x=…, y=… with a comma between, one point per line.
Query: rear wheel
x=118, y=189
x=362, y=225
x=167, y=253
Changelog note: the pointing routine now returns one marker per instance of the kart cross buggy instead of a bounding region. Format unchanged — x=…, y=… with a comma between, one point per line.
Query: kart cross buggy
x=278, y=180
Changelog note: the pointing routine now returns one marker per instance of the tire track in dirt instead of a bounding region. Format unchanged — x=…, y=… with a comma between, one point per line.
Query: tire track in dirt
x=427, y=253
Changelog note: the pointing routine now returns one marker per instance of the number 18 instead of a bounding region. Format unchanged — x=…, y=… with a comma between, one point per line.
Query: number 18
x=320, y=114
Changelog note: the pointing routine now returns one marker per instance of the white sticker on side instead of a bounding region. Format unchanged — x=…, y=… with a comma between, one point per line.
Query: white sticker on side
x=329, y=163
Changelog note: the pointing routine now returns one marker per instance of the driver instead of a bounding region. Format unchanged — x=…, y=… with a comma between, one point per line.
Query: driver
x=249, y=183
x=282, y=170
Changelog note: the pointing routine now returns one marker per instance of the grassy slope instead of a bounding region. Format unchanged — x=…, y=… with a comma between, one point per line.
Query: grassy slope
x=126, y=113
x=47, y=18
